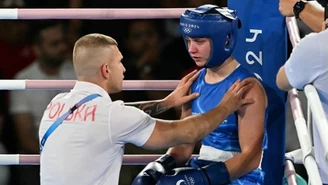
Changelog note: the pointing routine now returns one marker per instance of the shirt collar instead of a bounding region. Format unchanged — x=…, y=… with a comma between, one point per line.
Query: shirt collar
x=90, y=88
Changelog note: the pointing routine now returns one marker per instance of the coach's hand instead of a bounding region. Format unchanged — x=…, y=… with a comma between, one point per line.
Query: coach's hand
x=234, y=97
x=181, y=94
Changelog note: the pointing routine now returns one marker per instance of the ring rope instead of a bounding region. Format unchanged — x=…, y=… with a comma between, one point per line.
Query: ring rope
x=90, y=13
x=18, y=159
x=69, y=84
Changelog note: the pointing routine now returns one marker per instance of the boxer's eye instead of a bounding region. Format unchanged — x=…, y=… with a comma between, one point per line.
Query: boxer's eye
x=200, y=41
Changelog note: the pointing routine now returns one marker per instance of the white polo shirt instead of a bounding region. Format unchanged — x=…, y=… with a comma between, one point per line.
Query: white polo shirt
x=308, y=64
x=87, y=149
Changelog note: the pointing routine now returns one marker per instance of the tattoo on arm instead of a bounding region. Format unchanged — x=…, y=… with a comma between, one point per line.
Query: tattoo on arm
x=151, y=108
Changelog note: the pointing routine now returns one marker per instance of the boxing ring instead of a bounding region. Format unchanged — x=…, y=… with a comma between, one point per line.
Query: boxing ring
x=302, y=156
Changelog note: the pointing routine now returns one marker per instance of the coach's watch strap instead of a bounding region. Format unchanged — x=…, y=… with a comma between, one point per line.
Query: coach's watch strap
x=298, y=8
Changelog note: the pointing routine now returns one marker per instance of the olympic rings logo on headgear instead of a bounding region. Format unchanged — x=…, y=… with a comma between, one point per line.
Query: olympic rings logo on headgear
x=187, y=30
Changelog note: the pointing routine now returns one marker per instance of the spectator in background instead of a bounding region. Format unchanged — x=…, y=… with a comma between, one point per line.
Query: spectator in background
x=16, y=54
x=27, y=107
x=73, y=27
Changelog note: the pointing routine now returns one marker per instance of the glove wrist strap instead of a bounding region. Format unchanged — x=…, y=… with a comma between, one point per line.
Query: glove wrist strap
x=167, y=161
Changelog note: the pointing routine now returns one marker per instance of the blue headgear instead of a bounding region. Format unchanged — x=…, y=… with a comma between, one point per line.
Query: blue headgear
x=218, y=24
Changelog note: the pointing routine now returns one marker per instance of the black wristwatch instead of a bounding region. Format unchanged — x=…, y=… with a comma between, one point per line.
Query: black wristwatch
x=298, y=7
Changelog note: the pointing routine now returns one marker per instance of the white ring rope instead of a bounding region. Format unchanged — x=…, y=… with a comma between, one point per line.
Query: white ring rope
x=18, y=159
x=91, y=13
x=68, y=84
x=304, y=138
x=319, y=115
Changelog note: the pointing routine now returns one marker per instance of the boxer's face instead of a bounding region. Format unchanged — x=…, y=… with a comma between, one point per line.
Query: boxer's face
x=199, y=49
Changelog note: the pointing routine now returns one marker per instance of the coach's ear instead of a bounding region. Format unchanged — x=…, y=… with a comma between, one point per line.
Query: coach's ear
x=105, y=70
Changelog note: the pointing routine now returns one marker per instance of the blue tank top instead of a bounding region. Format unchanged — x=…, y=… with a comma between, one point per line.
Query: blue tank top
x=224, y=137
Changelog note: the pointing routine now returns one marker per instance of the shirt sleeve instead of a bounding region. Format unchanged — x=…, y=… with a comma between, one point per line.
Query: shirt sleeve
x=304, y=64
x=130, y=125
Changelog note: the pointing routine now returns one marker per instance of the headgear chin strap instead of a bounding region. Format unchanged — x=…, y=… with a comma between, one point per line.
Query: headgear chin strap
x=218, y=24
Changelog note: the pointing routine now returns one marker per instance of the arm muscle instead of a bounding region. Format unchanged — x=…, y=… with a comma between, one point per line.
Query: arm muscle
x=250, y=130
